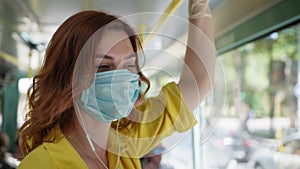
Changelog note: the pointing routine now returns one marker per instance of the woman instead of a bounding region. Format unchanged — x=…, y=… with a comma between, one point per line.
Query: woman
x=87, y=109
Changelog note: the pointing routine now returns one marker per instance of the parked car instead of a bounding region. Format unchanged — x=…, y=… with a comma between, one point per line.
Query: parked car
x=238, y=143
x=284, y=156
x=224, y=146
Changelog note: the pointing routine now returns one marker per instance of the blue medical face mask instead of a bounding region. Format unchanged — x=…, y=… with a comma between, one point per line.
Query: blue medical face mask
x=111, y=96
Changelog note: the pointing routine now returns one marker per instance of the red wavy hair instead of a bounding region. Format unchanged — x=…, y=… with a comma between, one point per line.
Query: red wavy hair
x=50, y=97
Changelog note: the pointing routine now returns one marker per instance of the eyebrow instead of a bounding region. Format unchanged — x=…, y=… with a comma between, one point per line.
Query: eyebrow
x=112, y=58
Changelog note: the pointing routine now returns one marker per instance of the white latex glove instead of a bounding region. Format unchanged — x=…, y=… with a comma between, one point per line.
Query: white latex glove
x=199, y=9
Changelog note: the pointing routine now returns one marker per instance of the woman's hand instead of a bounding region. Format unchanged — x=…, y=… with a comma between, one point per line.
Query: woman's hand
x=199, y=9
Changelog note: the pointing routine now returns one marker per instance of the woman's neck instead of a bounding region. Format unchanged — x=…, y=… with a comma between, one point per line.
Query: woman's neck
x=77, y=135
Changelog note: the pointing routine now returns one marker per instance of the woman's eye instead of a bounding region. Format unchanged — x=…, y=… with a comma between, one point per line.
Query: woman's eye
x=130, y=66
x=102, y=68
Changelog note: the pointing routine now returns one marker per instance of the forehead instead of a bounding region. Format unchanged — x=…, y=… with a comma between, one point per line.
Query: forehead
x=114, y=42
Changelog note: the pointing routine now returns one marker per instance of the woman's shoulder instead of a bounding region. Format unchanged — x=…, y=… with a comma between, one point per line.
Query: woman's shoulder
x=168, y=95
x=170, y=91
x=171, y=86
x=53, y=155
x=38, y=158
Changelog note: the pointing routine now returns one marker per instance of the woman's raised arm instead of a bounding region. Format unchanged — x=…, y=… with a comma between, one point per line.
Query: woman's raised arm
x=197, y=74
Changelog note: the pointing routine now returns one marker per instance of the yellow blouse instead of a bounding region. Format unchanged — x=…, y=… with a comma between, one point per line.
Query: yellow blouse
x=136, y=140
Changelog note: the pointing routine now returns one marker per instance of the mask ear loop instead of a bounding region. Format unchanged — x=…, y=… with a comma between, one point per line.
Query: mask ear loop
x=119, y=146
x=88, y=137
